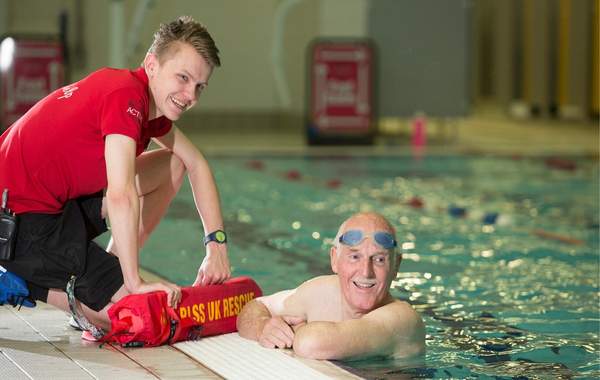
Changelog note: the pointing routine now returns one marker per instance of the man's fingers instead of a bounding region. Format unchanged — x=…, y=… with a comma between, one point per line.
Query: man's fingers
x=214, y=278
x=292, y=320
x=277, y=341
x=288, y=333
x=199, y=278
x=207, y=279
x=176, y=298
x=221, y=278
x=173, y=291
x=263, y=341
x=173, y=294
x=277, y=329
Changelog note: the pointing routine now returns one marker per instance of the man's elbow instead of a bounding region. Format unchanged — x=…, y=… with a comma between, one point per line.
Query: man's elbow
x=314, y=346
x=250, y=322
x=310, y=349
x=414, y=344
x=240, y=325
x=122, y=196
x=247, y=329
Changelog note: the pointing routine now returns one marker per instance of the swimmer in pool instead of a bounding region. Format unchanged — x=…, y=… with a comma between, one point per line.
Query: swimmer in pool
x=348, y=315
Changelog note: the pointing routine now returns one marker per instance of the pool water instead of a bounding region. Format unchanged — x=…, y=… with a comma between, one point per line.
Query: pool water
x=501, y=254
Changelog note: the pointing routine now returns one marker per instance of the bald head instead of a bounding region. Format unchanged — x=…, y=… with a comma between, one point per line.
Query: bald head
x=365, y=220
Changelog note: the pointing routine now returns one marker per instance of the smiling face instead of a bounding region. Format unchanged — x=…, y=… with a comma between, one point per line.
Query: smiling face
x=176, y=80
x=365, y=270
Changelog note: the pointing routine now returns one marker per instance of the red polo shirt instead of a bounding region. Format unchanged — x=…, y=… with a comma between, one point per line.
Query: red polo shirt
x=55, y=152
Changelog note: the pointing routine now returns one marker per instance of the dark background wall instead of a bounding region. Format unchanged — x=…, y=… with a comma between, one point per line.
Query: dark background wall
x=424, y=53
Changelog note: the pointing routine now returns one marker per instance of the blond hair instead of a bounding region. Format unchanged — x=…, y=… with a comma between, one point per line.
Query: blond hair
x=185, y=30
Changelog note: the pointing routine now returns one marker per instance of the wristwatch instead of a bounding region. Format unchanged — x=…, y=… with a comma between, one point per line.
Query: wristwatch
x=218, y=236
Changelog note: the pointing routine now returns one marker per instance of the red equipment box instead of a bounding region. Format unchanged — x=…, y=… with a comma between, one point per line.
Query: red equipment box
x=340, y=88
x=29, y=70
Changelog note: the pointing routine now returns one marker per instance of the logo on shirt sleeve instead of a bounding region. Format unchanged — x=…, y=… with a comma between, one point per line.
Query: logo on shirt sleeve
x=133, y=110
x=68, y=91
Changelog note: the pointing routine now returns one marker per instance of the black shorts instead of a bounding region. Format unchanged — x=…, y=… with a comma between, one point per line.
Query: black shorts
x=51, y=248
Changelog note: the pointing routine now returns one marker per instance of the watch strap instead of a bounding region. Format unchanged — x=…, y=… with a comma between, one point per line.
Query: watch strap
x=218, y=236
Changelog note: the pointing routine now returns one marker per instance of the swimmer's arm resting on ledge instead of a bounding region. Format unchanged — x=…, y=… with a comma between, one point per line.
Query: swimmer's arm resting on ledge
x=252, y=319
x=273, y=330
x=395, y=329
x=391, y=330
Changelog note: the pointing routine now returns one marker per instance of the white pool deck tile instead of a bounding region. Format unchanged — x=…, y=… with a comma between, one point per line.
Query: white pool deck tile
x=236, y=358
x=39, y=344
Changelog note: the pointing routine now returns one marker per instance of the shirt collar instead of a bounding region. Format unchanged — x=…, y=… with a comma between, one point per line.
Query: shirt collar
x=140, y=74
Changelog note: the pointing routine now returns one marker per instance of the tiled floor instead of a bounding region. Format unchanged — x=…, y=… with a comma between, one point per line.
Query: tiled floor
x=38, y=344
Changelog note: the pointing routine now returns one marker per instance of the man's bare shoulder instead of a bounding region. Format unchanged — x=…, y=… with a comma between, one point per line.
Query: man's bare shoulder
x=320, y=297
x=319, y=283
x=395, y=311
x=298, y=301
x=319, y=288
x=396, y=305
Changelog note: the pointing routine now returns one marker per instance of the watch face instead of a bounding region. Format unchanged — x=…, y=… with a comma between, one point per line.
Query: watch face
x=220, y=236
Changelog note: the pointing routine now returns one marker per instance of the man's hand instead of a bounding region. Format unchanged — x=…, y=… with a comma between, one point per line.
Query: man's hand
x=278, y=332
x=173, y=291
x=215, y=266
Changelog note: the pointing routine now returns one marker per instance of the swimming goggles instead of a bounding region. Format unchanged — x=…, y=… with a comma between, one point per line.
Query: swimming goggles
x=355, y=237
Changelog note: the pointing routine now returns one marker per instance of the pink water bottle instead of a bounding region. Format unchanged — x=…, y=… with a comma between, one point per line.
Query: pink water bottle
x=419, y=130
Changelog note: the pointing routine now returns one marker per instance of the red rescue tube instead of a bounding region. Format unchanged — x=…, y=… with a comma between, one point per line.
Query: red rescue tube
x=145, y=320
x=216, y=307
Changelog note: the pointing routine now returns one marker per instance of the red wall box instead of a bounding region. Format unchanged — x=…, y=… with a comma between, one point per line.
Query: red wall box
x=30, y=69
x=341, y=105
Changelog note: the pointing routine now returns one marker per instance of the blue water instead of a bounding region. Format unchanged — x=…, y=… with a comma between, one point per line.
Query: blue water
x=518, y=298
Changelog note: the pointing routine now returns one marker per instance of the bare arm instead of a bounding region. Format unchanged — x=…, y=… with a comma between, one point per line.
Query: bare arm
x=394, y=329
x=124, y=214
x=123, y=204
x=215, y=266
x=258, y=321
x=251, y=320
